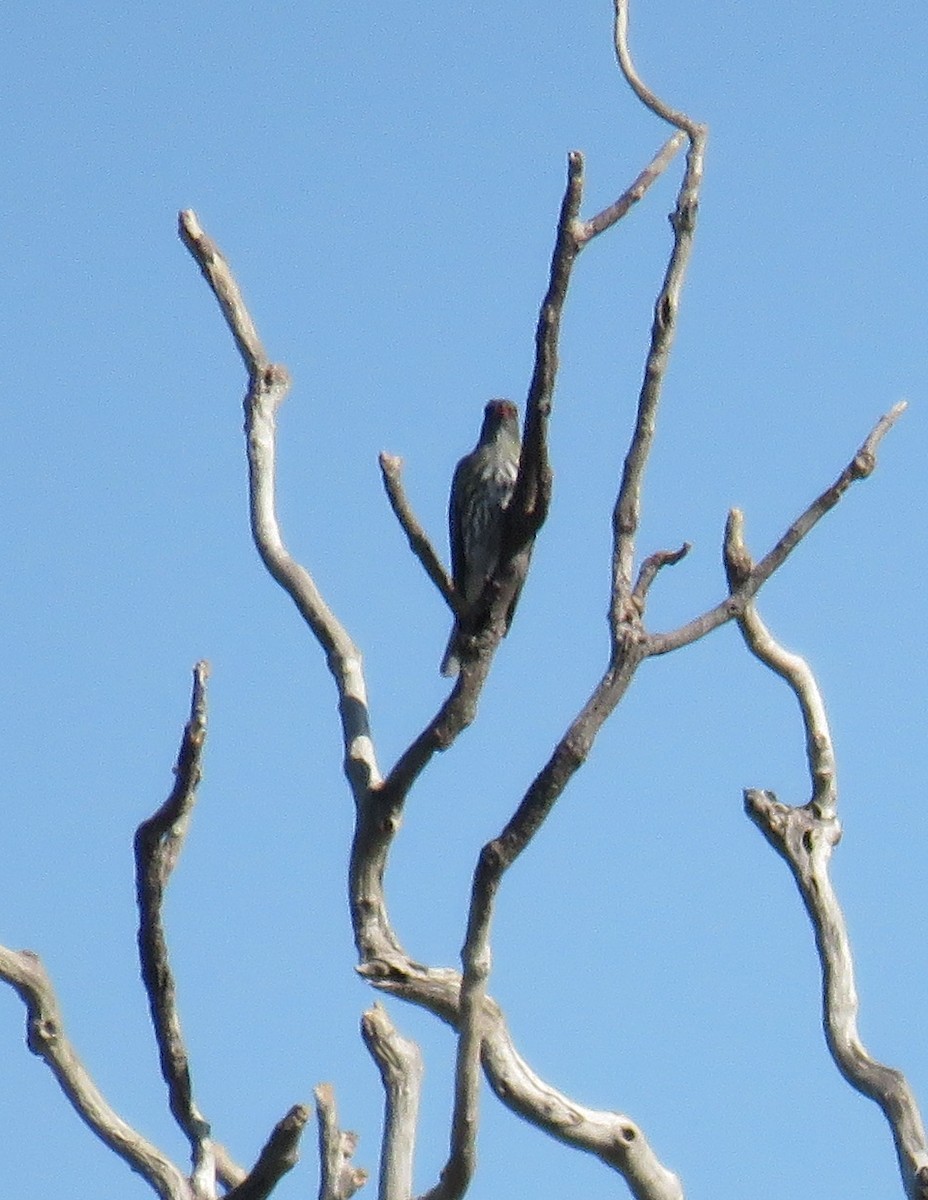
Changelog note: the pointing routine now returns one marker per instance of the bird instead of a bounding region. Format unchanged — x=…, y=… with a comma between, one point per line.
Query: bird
x=481, y=489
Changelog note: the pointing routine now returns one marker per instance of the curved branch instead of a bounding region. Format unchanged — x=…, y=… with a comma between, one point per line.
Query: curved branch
x=648, y=98
x=649, y=569
x=805, y=841
x=613, y=1138
x=47, y=1039
x=805, y=838
x=268, y=384
x=793, y=669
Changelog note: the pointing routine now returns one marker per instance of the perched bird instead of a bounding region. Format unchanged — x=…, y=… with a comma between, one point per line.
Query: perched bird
x=481, y=489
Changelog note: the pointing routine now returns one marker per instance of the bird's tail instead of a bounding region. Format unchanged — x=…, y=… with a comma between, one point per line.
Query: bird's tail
x=450, y=665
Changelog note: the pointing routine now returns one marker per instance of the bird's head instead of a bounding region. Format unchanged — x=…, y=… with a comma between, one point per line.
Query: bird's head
x=500, y=415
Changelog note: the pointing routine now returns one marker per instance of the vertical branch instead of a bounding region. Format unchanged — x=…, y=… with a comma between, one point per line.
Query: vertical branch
x=400, y=1064
x=525, y=514
x=158, y=843
x=339, y=1179
x=532, y=495
x=627, y=512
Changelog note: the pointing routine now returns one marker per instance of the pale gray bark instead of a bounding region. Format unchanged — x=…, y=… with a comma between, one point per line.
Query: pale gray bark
x=400, y=1063
x=338, y=1179
x=805, y=836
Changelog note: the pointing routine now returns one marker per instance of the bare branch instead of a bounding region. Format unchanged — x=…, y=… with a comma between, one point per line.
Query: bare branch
x=806, y=840
x=400, y=1064
x=268, y=386
x=218, y=275
x=459, y=1169
x=648, y=98
x=228, y=1172
x=391, y=467
x=585, y=231
x=158, y=843
x=860, y=467
x=464, y=1002
x=47, y=1039
x=340, y=1180
x=627, y=511
x=529, y=505
x=279, y=1155
x=648, y=572
x=793, y=669
x=612, y=1137
x=528, y=508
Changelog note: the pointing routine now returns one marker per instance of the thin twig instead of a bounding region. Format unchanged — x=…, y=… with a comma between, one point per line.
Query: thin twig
x=391, y=468
x=585, y=231
x=860, y=467
x=648, y=98
x=400, y=1064
x=218, y=275
x=158, y=843
x=649, y=569
x=339, y=1180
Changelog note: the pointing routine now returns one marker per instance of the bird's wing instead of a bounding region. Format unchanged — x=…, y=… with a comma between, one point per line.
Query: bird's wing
x=454, y=530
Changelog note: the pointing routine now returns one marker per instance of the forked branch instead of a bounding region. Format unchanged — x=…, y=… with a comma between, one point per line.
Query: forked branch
x=860, y=467
x=805, y=837
x=532, y=495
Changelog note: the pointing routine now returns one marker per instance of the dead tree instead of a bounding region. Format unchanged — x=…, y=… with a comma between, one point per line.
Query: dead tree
x=804, y=835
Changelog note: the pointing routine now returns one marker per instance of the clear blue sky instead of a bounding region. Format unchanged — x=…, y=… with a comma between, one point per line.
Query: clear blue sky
x=385, y=184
